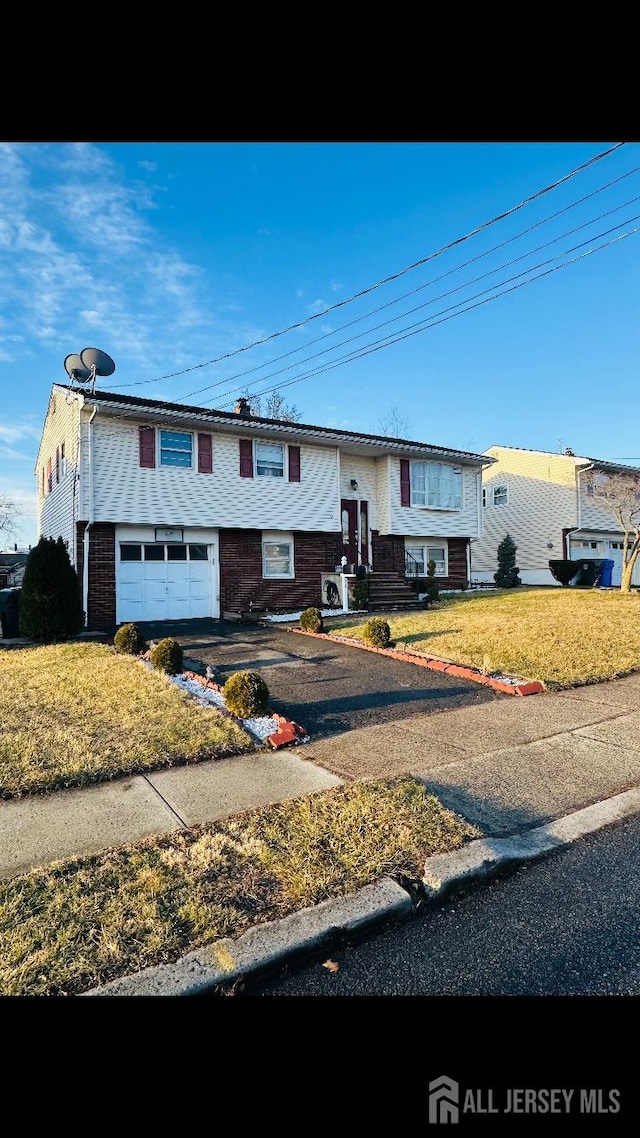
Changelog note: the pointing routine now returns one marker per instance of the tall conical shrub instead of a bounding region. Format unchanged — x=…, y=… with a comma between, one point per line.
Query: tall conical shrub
x=50, y=602
x=507, y=575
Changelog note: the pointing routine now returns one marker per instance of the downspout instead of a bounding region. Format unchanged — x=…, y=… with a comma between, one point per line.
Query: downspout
x=576, y=529
x=85, y=539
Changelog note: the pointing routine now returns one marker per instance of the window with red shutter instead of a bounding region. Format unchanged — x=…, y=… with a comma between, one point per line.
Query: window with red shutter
x=147, y=447
x=294, y=464
x=246, y=458
x=405, y=483
x=49, y=477
x=205, y=464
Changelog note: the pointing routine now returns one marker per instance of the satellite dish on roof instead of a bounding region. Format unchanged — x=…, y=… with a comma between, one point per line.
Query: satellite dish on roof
x=76, y=370
x=100, y=362
x=88, y=365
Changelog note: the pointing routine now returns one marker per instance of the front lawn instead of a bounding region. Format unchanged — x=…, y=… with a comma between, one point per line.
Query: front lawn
x=72, y=714
x=78, y=924
x=562, y=637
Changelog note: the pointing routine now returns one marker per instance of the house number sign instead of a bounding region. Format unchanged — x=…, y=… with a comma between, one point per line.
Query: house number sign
x=167, y=534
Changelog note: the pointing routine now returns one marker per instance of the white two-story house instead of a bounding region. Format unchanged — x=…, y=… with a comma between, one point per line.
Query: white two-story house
x=173, y=512
x=544, y=501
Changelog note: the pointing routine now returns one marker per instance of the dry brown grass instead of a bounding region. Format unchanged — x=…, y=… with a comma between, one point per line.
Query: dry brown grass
x=562, y=637
x=73, y=714
x=81, y=923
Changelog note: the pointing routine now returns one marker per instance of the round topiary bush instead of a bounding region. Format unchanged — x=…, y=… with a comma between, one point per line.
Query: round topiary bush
x=129, y=639
x=166, y=656
x=246, y=694
x=311, y=620
x=376, y=632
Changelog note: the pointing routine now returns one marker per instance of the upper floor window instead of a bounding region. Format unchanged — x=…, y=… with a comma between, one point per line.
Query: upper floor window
x=176, y=448
x=500, y=495
x=484, y=495
x=270, y=460
x=436, y=485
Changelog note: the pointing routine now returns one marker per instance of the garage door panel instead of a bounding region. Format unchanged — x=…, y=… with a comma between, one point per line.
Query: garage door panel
x=163, y=589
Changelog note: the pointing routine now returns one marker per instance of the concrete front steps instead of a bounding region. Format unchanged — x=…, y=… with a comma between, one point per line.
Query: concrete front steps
x=389, y=590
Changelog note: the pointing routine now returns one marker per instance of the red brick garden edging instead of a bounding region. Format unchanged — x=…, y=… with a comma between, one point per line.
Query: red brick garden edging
x=287, y=730
x=433, y=663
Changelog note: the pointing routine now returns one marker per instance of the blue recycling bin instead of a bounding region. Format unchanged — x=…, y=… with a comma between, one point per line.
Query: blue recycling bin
x=606, y=574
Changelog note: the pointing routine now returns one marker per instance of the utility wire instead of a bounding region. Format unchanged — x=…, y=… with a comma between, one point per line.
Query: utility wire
x=370, y=349
x=441, y=296
x=420, y=288
x=393, y=276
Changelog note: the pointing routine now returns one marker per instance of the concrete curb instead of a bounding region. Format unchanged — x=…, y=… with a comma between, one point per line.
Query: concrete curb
x=264, y=946
x=533, y=687
x=482, y=858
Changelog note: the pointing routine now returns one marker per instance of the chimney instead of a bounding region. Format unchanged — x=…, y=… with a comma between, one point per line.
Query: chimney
x=567, y=450
x=242, y=407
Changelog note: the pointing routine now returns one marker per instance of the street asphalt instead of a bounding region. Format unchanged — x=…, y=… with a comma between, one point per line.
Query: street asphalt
x=506, y=763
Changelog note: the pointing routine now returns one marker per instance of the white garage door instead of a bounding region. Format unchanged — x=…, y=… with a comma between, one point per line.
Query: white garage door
x=163, y=582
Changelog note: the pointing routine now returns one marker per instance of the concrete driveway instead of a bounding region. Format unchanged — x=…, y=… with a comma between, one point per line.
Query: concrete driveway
x=326, y=687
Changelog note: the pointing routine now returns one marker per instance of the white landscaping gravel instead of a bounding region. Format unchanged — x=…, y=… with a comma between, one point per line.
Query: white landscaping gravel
x=261, y=726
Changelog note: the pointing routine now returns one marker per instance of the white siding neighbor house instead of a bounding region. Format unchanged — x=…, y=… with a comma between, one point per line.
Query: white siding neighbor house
x=543, y=501
x=174, y=512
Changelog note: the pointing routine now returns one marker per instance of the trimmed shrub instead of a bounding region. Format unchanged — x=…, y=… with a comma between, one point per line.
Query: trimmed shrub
x=311, y=620
x=50, y=601
x=166, y=656
x=507, y=575
x=431, y=587
x=246, y=694
x=361, y=593
x=129, y=640
x=377, y=632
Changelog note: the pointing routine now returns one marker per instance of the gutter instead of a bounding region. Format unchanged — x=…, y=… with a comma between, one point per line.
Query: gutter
x=85, y=539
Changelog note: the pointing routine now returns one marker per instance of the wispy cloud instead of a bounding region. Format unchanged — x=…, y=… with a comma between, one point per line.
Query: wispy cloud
x=317, y=306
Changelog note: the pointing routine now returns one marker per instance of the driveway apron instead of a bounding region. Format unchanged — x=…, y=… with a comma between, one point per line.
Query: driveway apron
x=325, y=686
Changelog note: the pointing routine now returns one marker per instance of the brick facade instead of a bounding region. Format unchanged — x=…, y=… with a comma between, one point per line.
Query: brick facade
x=101, y=616
x=241, y=581
x=388, y=555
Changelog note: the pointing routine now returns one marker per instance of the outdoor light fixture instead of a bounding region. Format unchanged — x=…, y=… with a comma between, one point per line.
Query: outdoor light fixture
x=354, y=484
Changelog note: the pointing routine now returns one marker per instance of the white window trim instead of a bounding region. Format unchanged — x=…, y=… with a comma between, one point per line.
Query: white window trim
x=160, y=448
x=441, y=509
x=499, y=486
x=428, y=543
x=281, y=539
x=285, y=459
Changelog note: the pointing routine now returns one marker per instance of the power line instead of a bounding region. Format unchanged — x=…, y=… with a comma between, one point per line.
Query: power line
x=370, y=349
x=441, y=296
x=393, y=276
x=420, y=288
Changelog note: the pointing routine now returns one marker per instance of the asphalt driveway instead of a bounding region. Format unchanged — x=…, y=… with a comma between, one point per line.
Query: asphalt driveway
x=327, y=687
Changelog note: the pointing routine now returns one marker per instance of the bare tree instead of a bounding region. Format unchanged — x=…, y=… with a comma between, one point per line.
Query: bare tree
x=275, y=407
x=619, y=493
x=9, y=516
x=395, y=424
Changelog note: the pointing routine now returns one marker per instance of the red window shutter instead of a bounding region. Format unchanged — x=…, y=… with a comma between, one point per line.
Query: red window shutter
x=294, y=464
x=148, y=447
x=49, y=478
x=57, y=464
x=246, y=458
x=405, y=483
x=205, y=464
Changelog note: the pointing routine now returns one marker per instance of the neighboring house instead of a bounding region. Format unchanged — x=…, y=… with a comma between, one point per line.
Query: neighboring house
x=543, y=500
x=172, y=512
x=12, y=569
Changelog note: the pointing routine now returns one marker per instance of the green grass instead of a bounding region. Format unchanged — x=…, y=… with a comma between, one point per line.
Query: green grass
x=80, y=923
x=562, y=637
x=73, y=714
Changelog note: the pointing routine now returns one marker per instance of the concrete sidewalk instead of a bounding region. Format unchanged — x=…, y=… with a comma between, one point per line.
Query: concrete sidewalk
x=507, y=764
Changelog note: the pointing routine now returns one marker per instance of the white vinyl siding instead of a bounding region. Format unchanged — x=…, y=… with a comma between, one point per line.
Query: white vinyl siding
x=277, y=556
x=57, y=510
x=436, y=485
x=167, y=496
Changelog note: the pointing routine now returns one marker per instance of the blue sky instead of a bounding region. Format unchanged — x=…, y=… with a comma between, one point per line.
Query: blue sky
x=170, y=255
